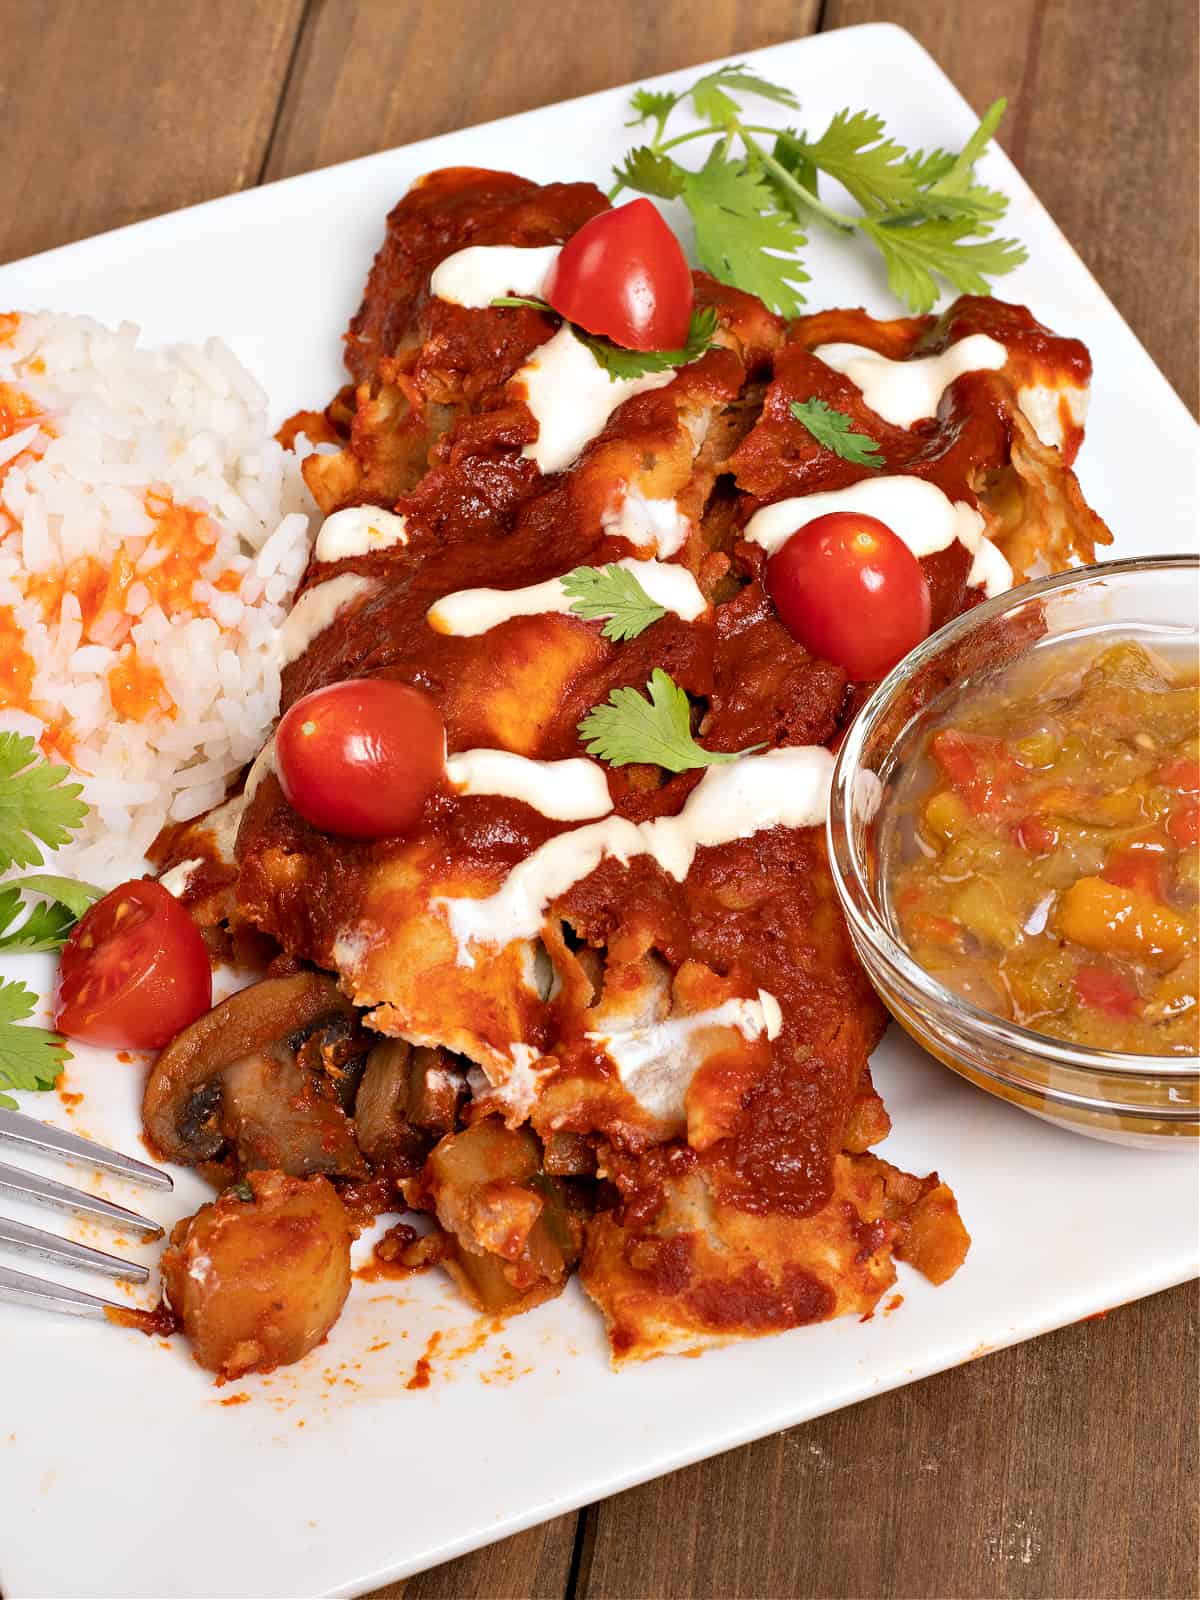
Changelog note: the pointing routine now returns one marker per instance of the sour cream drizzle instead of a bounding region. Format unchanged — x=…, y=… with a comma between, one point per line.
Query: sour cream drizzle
x=476, y=276
x=902, y=392
x=568, y=791
x=359, y=531
x=656, y=1062
x=315, y=610
x=572, y=397
x=916, y=511
x=780, y=788
x=468, y=612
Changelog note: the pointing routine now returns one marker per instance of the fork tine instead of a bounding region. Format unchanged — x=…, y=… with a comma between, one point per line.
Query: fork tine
x=34, y=1135
x=29, y=1291
x=31, y=1186
x=20, y=1236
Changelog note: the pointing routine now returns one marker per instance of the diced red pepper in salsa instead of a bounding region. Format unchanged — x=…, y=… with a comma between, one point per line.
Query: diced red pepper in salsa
x=981, y=769
x=1107, y=991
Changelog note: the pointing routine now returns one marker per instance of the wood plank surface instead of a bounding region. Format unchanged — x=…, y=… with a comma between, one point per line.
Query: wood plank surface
x=1103, y=123
x=1064, y=1467
x=115, y=110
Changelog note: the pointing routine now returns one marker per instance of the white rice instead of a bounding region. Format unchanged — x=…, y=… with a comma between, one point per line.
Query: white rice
x=129, y=433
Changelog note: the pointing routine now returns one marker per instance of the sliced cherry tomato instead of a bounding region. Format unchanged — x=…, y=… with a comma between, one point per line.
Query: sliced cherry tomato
x=980, y=767
x=849, y=590
x=1181, y=773
x=1138, y=864
x=1106, y=991
x=360, y=758
x=624, y=274
x=134, y=971
x=1036, y=836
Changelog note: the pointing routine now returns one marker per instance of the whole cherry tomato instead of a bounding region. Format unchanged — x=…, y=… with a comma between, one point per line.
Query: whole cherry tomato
x=624, y=274
x=134, y=971
x=851, y=591
x=360, y=758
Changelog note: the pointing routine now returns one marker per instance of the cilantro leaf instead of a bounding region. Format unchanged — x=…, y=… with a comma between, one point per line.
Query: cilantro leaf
x=650, y=172
x=651, y=105
x=72, y=893
x=631, y=728
x=36, y=803
x=916, y=255
x=854, y=151
x=30, y=1058
x=835, y=431
x=613, y=592
x=742, y=237
x=49, y=921
x=621, y=363
x=524, y=300
x=712, y=103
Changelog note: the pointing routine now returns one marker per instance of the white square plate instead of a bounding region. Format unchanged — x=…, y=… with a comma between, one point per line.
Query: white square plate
x=123, y=1471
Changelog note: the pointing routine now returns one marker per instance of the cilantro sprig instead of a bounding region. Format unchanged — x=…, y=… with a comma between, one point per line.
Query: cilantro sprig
x=924, y=211
x=835, y=431
x=613, y=593
x=621, y=363
x=30, y=1058
x=38, y=807
x=630, y=727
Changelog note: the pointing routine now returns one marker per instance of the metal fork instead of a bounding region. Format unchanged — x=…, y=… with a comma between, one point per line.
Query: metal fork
x=28, y=1134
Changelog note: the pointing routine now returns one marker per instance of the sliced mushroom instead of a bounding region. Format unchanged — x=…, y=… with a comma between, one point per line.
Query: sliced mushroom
x=257, y=1082
x=405, y=1095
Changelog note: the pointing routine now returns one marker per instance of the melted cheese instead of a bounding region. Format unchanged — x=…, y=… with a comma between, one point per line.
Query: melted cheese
x=468, y=612
x=359, y=531
x=916, y=511
x=658, y=1061
x=572, y=397
x=476, y=276
x=657, y=525
x=781, y=788
x=902, y=392
x=568, y=791
x=315, y=610
x=1042, y=403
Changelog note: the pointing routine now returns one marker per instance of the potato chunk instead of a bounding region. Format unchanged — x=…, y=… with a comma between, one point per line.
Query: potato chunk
x=258, y=1276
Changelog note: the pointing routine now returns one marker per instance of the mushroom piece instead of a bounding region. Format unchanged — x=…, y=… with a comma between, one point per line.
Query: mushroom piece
x=407, y=1095
x=258, y=1276
x=257, y=1083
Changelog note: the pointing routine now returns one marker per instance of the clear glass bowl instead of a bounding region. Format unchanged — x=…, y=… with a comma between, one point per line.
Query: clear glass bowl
x=1127, y=1099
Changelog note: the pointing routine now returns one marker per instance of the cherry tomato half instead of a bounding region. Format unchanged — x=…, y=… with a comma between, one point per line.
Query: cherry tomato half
x=624, y=274
x=849, y=590
x=360, y=758
x=134, y=971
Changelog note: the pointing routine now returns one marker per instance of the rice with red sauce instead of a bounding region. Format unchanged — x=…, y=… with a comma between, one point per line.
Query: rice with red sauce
x=152, y=533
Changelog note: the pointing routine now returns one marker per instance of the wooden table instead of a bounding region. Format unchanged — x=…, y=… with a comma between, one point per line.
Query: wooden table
x=1061, y=1468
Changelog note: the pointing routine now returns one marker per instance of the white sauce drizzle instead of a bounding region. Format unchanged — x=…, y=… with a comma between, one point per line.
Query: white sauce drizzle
x=915, y=510
x=1040, y=403
x=572, y=397
x=315, y=610
x=264, y=762
x=476, y=276
x=989, y=570
x=780, y=788
x=176, y=879
x=359, y=531
x=468, y=612
x=517, y=1089
x=658, y=1061
x=568, y=791
x=657, y=525
x=902, y=392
